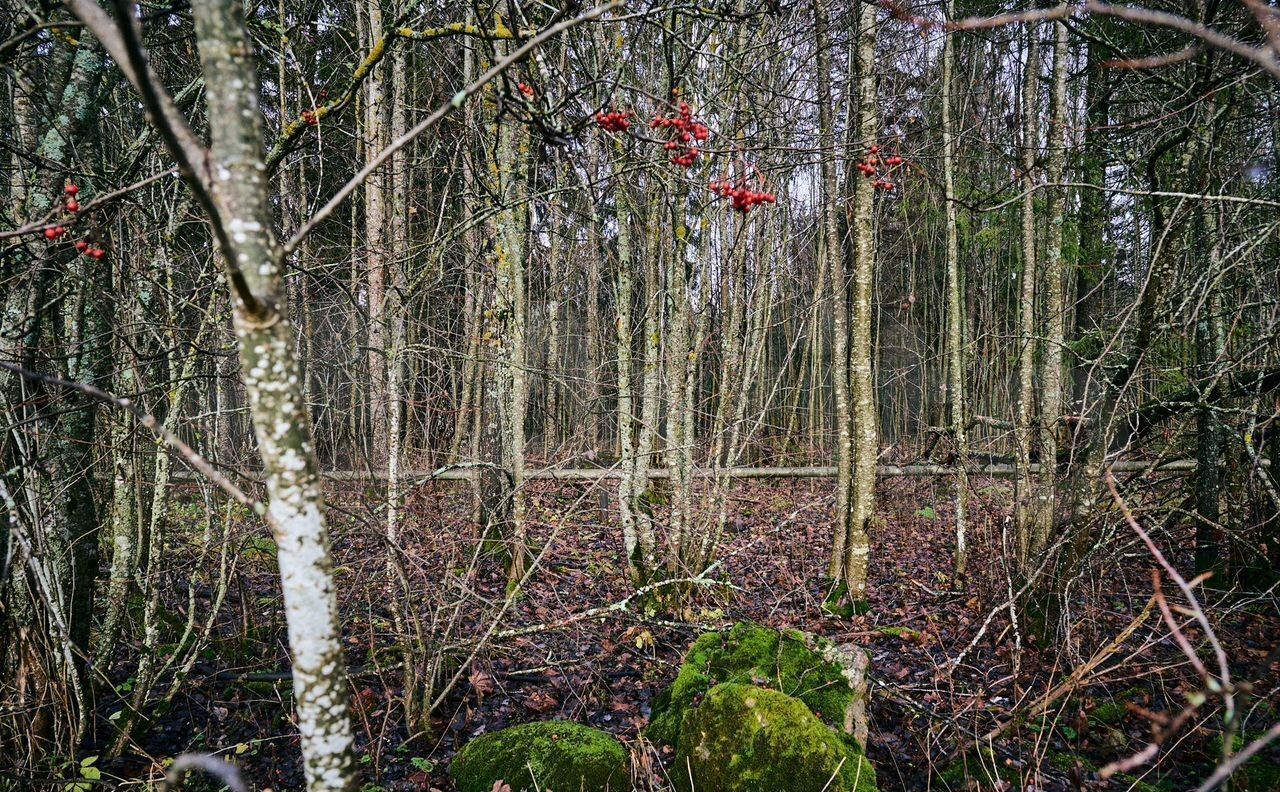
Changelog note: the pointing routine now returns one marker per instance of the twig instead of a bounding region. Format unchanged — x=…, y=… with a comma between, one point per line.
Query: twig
x=189, y=454
x=436, y=117
x=225, y=772
x=1227, y=768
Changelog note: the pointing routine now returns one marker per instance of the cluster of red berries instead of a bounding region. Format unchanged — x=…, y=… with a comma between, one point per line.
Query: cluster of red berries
x=526, y=89
x=868, y=168
x=90, y=251
x=54, y=233
x=616, y=121
x=310, y=117
x=742, y=198
x=684, y=133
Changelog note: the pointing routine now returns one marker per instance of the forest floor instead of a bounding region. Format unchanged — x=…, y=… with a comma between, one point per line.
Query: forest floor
x=938, y=688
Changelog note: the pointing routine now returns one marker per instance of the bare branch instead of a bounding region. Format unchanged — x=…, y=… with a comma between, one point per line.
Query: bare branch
x=189, y=454
x=436, y=117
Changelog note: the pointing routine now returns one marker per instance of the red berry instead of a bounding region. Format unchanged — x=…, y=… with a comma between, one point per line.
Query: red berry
x=73, y=205
x=875, y=149
x=51, y=234
x=81, y=245
x=71, y=189
x=97, y=253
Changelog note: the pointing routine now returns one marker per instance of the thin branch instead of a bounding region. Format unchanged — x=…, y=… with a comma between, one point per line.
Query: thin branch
x=430, y=121
x=1264, y=58
x=1227, y=768
x=85, y=208
x=189, y=454
x=123, y=42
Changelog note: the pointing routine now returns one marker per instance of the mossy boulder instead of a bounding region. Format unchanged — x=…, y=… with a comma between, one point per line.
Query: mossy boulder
x=829, y=679
x=742, y=738
x=549, y=756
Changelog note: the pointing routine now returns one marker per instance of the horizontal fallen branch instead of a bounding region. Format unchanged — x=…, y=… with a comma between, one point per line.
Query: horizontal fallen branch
x=466, y=472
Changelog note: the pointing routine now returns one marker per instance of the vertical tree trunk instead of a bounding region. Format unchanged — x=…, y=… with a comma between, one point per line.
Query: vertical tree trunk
x=1210, y=348
x=866, y=440
x=275, y=393
x=556, y=270
x=597, y=426
x=377, y=198
x=512, y=221
x=679, y=368
x=955, y=308
x=1054, y=305
x=637, y=538
x=1026, y=431
x=831, y=256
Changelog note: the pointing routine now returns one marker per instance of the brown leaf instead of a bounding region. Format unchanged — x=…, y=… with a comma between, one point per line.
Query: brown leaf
x=541, y=702
x=482, y=682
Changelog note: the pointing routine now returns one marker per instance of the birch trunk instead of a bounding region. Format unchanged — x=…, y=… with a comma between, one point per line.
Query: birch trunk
x=377, y=198
x=275, y=394
x=955, y=307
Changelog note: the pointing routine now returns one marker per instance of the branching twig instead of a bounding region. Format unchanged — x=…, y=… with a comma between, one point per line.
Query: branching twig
x=436, y=117
x=189, y=454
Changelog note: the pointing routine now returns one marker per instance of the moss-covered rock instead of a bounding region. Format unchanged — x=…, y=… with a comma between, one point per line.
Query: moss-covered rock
x=742, y=738
x=547, y=756
x=829, y=679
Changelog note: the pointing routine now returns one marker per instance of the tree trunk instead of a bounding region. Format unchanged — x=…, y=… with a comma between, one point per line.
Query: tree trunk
x=831, y=256
x=955, y=307
x=1026, y=430
x=865, y=412
x=270, y=371
x=1054, y=304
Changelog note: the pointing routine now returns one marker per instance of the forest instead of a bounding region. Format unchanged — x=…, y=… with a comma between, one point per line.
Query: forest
x=589, y=395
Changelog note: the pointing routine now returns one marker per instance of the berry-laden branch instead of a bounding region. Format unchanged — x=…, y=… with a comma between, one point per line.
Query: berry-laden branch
x=684, y=135
x=124, y=45
x=55, y=233
x=875, y=164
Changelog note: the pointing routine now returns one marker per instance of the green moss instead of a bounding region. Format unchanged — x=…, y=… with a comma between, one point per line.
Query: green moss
x=1108, y=713
x=1064, y=762
x=905, y=633
x=983, y=766
x=743, y=738
x=550, y=755
x=790, y=662
x=1259, y=774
